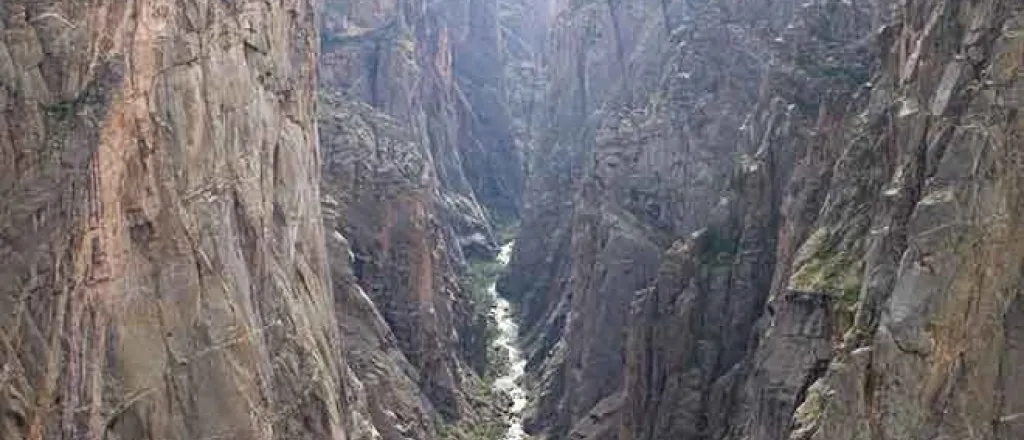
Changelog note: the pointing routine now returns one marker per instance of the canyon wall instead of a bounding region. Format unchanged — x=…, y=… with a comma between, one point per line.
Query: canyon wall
x=738, y=219
x=771, y=220
x=645, y=104
x=166, y=265
x=164, y=270
x=421, y=163
x=934, y=337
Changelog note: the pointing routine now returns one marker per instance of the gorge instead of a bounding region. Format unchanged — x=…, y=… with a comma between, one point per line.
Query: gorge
x=507, y=341
x=511, y=219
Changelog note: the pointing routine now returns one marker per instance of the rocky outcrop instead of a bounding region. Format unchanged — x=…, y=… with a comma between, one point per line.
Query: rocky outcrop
x=164, y=272
x=867, y=243
x=381, y=191
x=397, y=59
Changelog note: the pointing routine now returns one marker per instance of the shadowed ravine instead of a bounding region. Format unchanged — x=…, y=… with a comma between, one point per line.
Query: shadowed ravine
x=507, y=342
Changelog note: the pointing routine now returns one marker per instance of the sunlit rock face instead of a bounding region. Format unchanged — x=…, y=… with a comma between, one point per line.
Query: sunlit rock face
x=164, y=272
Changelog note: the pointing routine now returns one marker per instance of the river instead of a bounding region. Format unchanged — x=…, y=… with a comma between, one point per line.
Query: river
x=507, y=340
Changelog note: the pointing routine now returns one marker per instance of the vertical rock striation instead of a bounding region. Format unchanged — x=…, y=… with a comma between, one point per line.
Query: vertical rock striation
x=813, y=202
x=740, y=219
x=164, y=272
x=929, y=352
x=645, y=104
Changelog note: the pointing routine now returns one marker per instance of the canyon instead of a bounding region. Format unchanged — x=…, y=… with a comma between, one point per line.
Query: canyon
x=511, y=219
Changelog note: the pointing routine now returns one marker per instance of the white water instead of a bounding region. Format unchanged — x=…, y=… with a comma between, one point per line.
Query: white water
x=506, y=341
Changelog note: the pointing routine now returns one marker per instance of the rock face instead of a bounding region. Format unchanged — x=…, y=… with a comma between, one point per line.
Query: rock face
x=788, y=220
x=420, y=161
x=929, y=352
x=166, y=266
x=657, y=93
x=740, y=219
x=746, y=346
x=437, y=69
x=164, y=271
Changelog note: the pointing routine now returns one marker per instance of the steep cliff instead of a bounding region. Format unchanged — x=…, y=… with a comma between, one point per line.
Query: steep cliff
x=718, y=290
x=438, y=69
x=420, y=164
x=813, y=202
x=164, y=272
x=883, y=284
x=740, y=219
x=645, y=104
x=931, y=351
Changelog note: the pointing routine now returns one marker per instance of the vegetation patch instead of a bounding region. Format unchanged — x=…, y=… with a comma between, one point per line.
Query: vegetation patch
x=719, y=243
x=843, y=73
x=488, y=430
x=828, y=270
x=577, y=4
x=407, y=45
x=716, y=246
x=477, y=281
x=489, y=420
x=61, y=109
x=478, y=278
x=809, y=412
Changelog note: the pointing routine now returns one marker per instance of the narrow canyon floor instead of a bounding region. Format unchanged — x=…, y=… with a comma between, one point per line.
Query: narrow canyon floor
x=508, y=341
